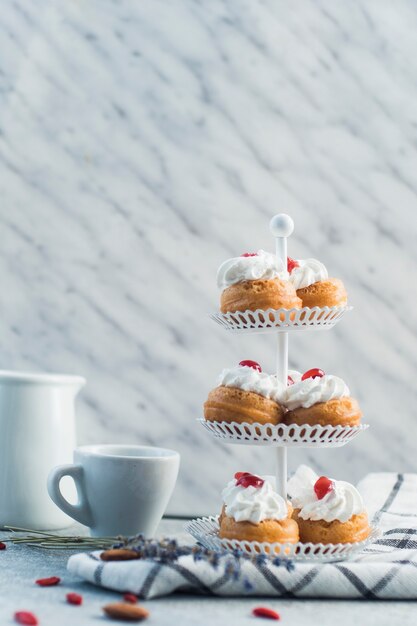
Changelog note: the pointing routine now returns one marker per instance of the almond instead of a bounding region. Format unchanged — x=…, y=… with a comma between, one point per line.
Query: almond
x=119, y=554
x=125, y=611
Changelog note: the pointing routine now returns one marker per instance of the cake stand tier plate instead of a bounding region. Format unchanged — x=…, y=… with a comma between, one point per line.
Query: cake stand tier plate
x=281, y=320
x=291, y=435
x=205, y=531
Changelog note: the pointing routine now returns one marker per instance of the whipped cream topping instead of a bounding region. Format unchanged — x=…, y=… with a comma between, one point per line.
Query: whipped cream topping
x=341, y=503
x=262, y=266
x=309, y=271
x=249, y=379
x=295, y=375
x=305, y=393
x=254, y=504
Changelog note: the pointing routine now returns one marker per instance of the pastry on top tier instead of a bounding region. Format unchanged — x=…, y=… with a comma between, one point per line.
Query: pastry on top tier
x=255, y=281
x=245, y=394
x=253, y=511
x=313, y=285
x=319, y=398
x=326, y=510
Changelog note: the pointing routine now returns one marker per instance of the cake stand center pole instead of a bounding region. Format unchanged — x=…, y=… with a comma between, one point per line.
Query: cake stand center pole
x=281, y=227
x=281, y=452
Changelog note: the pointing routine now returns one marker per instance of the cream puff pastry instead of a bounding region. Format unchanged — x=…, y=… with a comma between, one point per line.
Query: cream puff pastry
x=253, y=511
x=317, y=398
x=326, y=510
x=245, y=394
x=313, y=286
x=255, y=281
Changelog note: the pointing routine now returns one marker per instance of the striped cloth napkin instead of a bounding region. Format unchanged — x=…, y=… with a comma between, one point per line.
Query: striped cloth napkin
x=386, y=569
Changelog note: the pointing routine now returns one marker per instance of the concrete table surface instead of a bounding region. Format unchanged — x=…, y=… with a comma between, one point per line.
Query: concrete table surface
x=20, y=566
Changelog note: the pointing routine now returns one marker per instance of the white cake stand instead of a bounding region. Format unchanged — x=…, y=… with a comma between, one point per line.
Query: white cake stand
x=280, y=322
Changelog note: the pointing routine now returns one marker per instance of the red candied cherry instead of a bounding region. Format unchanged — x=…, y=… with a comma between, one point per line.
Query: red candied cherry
x=253, y=364
x=250, y=480
x=291, y=264
x=322, y=487
x=239, y=475
x=246, y=254
x=315, y=372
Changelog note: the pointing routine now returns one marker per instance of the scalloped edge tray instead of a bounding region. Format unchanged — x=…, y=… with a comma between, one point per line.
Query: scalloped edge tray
x=291, y=435
x=205, y=531
x=281, y=320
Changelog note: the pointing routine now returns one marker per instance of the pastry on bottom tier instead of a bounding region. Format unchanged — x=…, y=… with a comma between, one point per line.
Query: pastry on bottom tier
x=320, y=399
x=245, y=394
x=269, y=530
x=289, y=507
x=330, y=292
x=318, y=531
x=259, y=294
x=326, y=510
x=253, y=511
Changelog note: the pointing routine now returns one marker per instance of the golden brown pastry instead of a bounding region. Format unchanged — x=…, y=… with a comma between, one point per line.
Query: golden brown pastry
x=227, y=404
x=245, y=394
x=269, y=530
x=329, y=292
x=319, y=398
x=253, y=511
x=327, y=510
x=319, y=531
x=255, y=281
x=338, y=412
x=259, y=294
x=313, y=285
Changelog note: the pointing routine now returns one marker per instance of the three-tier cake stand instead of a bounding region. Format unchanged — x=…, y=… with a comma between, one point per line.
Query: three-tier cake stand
x=281, y=437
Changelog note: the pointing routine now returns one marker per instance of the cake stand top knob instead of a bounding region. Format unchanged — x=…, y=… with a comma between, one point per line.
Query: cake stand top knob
x=281, y=225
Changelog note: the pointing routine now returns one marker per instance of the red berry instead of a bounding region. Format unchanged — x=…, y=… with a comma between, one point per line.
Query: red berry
x=240, y=474
x=290, y=381
x=74, y=598
x=291, y=264
x=130, y=597
x=313, y=373
x=246, y=254
x=48, y=582
x=253, y=364
x=249, y=480
x=2, y=546
x=263, y=611
x=322, y=486
x=25, y=617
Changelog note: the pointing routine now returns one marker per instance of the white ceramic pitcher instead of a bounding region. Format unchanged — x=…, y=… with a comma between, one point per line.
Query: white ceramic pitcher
x=37, y=432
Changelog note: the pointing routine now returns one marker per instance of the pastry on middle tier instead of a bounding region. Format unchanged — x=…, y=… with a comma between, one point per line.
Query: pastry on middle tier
x=245, y=394
x=313, y=285
x=255, y=281
x=316, y=398
x=326, y=510
x=253, y=511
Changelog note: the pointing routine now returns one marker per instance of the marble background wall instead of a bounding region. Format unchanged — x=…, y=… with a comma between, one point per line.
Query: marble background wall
x=142, y=143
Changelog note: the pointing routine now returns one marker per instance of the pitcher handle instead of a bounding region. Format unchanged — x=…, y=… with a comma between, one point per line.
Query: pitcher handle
x=80, y=512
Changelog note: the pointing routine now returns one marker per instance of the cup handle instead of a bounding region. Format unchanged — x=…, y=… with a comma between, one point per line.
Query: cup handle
x=80, y=512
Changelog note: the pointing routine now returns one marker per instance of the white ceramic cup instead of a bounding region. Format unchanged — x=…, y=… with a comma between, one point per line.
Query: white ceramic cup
x=122, y=489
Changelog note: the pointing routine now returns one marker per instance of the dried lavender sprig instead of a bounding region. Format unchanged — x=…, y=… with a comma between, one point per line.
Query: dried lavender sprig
x=165, y=550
